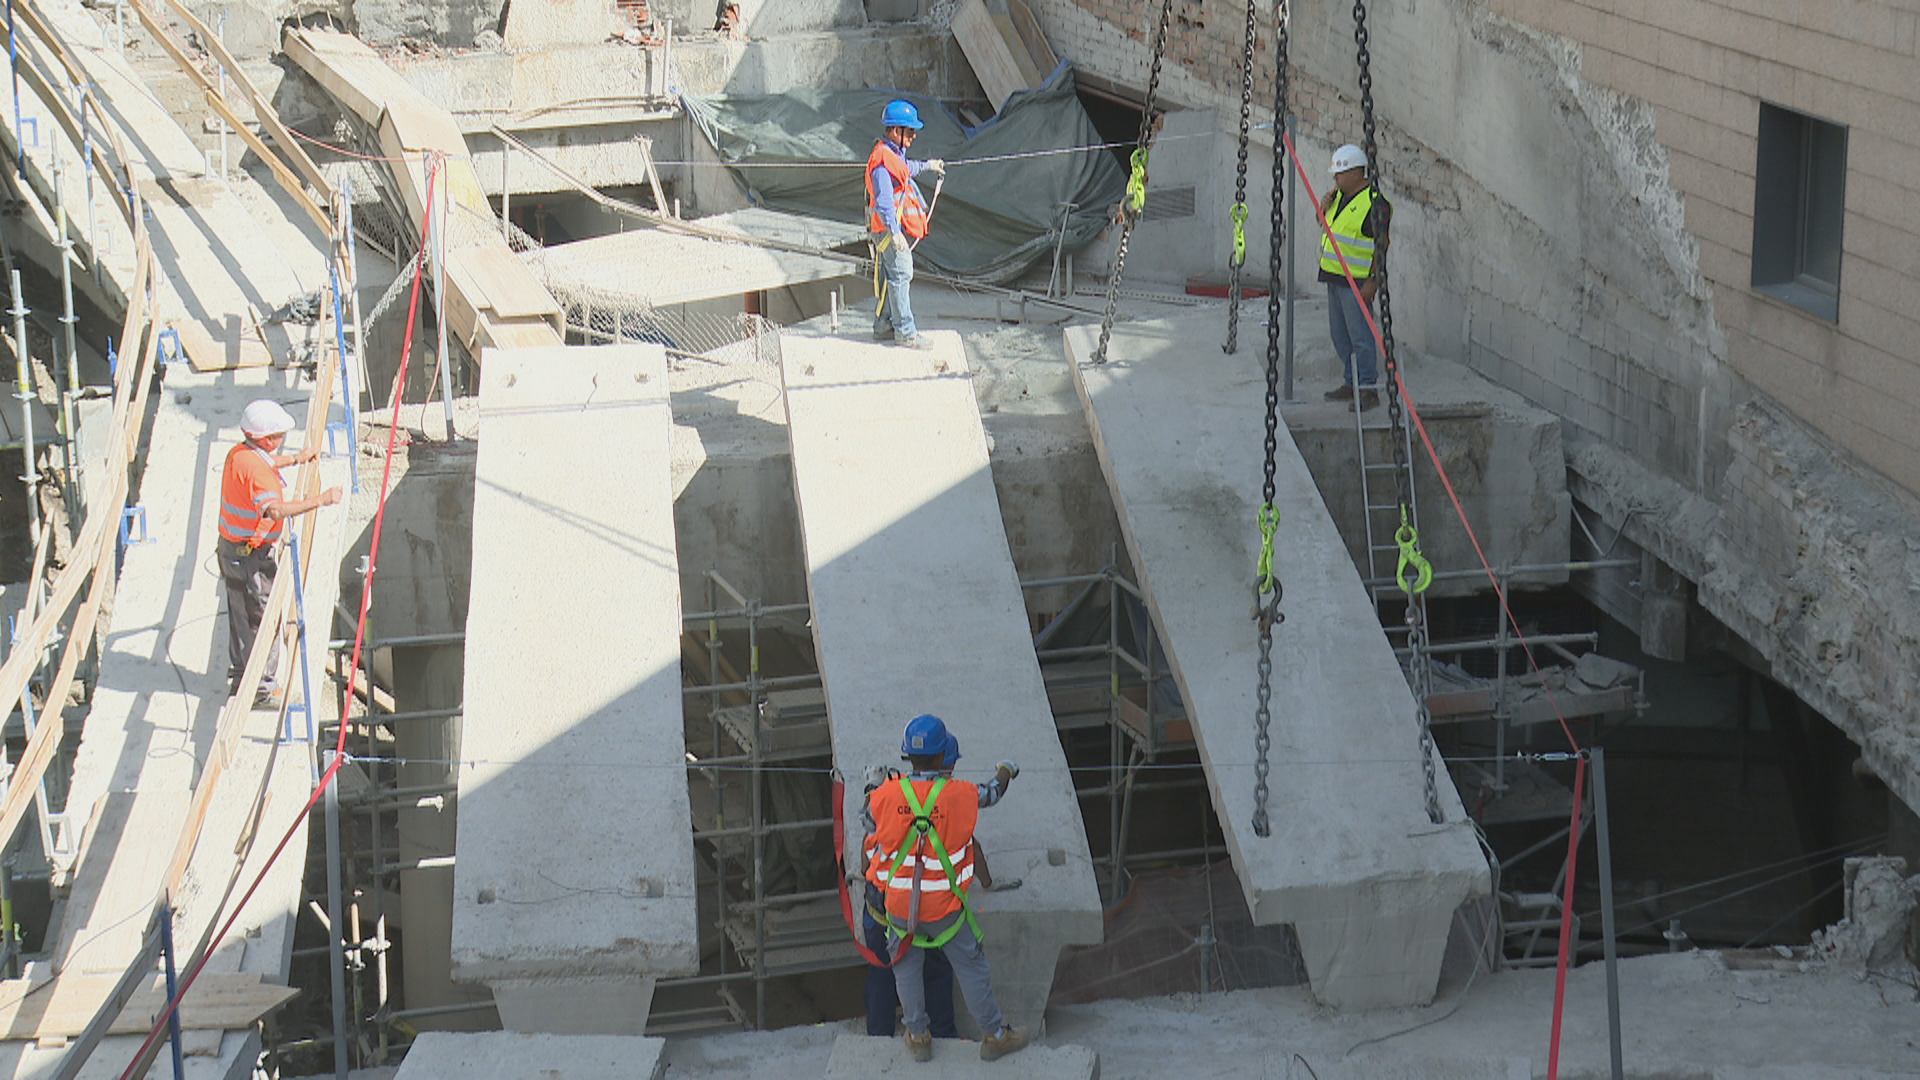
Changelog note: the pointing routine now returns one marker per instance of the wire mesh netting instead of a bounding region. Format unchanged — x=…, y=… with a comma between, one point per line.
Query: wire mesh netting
x=1186, y=930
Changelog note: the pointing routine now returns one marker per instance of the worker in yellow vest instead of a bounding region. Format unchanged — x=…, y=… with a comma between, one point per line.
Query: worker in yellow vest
x=1357, y=219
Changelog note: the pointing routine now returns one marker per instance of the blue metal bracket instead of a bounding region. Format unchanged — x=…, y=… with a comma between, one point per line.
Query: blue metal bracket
x=130, y=516
x=29, y=123
x=167, y=349
x=341, y=431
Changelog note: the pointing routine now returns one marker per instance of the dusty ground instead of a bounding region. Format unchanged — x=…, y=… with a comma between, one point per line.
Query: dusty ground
x=1683, y=1016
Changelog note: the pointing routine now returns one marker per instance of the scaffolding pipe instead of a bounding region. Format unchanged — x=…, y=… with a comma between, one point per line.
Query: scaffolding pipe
x=336, y=953
x=1605, y=845
x=67, y=377
x=24, y=389
x=439, y=223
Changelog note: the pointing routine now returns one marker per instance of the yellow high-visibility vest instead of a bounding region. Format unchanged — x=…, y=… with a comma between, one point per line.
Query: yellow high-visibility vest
x=1346, y=223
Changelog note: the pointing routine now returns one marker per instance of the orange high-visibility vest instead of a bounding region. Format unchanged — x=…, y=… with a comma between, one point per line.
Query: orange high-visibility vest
x=906, y=194
x=247, y=484
x=953, y=816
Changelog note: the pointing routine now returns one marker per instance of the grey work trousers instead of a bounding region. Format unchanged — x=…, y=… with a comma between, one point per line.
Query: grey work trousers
x=969, y=960
x=249, y=578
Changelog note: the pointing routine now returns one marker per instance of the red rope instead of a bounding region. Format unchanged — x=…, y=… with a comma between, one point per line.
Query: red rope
x=346, y=698
x=846, y=898
x=1566, y=921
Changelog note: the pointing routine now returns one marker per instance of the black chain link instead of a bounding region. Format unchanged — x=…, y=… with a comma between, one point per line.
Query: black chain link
x=1267, y=606
x=1390, y=372
x=1130, y=216
x=1237, y=253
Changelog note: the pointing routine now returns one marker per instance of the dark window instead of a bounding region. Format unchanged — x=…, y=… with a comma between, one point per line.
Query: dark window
x=1799, y=200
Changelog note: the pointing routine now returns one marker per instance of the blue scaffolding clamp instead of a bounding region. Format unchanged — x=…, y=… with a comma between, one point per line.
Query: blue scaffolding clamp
x=167, y=349
x=129, y=517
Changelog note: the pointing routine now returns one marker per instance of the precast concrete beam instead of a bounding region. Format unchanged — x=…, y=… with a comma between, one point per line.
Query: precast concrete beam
x=445, y=1055
x=574, y=859
x=917, y=609
x=1369, y=884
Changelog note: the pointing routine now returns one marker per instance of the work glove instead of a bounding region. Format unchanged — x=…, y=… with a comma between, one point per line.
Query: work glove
x=1005, y=772
x=935, y=164
x=875, y=776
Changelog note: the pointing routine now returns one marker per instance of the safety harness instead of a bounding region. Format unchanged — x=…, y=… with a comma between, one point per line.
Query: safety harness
x=923, y=834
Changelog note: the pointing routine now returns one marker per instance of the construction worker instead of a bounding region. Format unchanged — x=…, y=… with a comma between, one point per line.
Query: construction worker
x=896, y=218
x=883, y=1001
x=253, y=510
x=1357, y=216
x=923, y=862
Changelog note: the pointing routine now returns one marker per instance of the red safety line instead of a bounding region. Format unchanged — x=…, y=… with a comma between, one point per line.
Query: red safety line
x=846, y=898
x=1580, y=765
x=1566, y=921
x=434, y=168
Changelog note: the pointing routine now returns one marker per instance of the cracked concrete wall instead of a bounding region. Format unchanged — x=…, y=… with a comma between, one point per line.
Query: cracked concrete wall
x=1575, y=198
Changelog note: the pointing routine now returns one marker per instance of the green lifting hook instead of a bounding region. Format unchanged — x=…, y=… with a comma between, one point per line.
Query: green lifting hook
x=1409, y=540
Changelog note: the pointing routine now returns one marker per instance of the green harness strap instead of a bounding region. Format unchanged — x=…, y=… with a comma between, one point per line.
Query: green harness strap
x=923, y=824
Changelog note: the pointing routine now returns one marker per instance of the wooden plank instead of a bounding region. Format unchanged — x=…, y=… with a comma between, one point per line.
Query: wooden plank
x=209, y=353
x=1028, y=29
x=509, y=287
x=1030, y=74
x=987, y=50
x=63, y=1006
x=288, y=182
x=262, y=107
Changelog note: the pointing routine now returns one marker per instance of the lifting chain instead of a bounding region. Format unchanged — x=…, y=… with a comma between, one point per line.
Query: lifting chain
x=1408, y=537
x=1238, y=214
x=1266, y=586
x=1136, y=200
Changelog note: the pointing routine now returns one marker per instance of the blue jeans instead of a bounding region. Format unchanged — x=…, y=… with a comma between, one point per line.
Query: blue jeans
x=1352, y=339
x=969, y=961
x=882, y=998
x=896, y=270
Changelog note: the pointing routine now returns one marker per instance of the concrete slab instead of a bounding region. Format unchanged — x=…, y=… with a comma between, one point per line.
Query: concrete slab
x=575, y=855
x=916, y=608
x=657, y=268
x=1352, y=862
x=439, y=1055
x=860, y=1057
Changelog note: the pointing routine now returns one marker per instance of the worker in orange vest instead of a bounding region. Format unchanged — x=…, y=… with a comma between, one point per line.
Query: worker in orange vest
x=896, y=219
x=253, y=512
x=923, y=862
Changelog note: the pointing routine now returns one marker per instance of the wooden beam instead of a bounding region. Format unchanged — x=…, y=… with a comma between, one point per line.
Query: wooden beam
x=262, y=108
x=63, y=1006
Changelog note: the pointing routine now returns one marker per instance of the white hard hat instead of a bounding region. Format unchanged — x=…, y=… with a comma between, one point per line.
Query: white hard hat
x=265, y=417
x=1349, y=157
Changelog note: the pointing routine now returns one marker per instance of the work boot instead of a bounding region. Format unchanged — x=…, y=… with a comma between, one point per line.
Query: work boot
x=920, y=1046
x=270, y=698
x=1003, y=1042
x=1340, y=393
x=1368, y=399
x=917, y=341
x=882, y=332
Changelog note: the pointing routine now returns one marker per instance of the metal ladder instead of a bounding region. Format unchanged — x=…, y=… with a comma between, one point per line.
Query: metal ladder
x=1382, y=518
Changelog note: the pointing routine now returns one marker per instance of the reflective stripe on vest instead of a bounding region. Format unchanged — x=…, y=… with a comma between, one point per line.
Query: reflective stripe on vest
x=240, y=518
x=1345, y=225
x=906, y=194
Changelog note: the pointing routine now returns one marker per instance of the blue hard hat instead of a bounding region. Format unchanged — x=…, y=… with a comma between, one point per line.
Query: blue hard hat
x=952, y=757
x=901, y=114
x=926, y=736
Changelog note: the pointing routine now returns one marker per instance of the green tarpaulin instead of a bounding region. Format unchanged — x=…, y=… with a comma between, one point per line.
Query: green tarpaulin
x=999, y=209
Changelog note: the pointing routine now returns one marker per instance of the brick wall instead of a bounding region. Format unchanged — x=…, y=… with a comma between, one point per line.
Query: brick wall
x=1705, y=66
